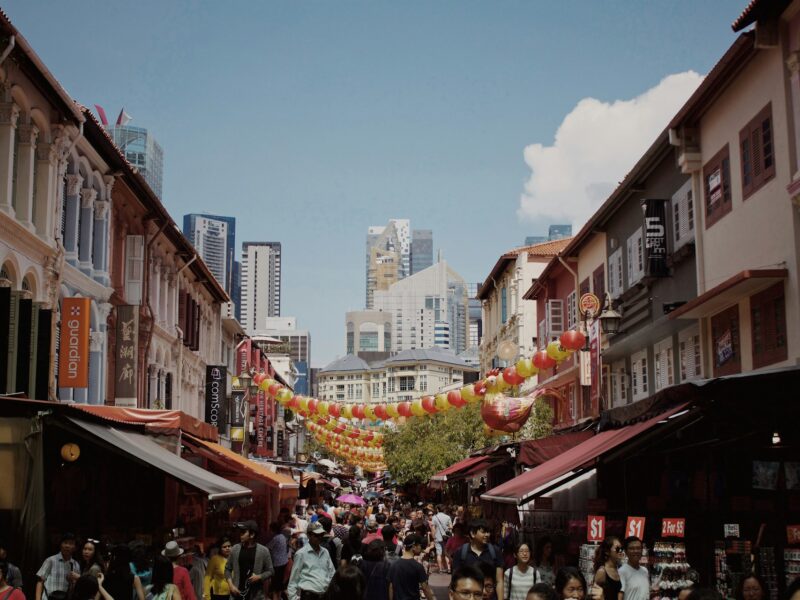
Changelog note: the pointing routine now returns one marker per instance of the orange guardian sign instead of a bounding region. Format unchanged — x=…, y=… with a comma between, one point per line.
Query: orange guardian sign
x=73, y=359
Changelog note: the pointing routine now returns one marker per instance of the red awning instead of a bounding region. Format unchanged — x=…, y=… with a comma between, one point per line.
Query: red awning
x=521, y=488
x=155, y=421
x=461, y=465
x=532, y=453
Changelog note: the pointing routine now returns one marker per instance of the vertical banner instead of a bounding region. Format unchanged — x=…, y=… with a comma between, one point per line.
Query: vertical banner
x=215, y=393
x=239, y=411
x=261, y=426
x=73, y=360
x=243, y=357
x=594, y=358
x=269, y=424
x=126, y=365
x=280, y=443
x=655, y=238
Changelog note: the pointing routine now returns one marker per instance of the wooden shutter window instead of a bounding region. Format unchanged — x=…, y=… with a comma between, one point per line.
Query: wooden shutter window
x=717, y=186
x=727, y=358
x=756, y=146
x=599, y=282
x=768, y=318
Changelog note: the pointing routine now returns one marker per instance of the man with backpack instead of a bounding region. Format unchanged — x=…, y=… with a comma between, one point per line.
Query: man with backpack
x=331, y=543
x=442, y=530
x=479, y=550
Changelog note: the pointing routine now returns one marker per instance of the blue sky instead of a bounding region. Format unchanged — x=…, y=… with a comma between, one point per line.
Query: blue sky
x=310, y=121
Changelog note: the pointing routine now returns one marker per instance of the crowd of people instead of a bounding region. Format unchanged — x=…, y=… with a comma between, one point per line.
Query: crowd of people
x=378, y=552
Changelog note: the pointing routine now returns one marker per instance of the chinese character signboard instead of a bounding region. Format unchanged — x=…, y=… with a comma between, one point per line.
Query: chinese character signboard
x=73, y=365
x=126, y=362
x=655, y=238
x=280, y=443
x=215, y=393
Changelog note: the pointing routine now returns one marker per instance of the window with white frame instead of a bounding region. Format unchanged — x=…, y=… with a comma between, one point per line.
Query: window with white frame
x=359, y=391
x=554, y=318
x=662, y=355
x=423, y=383
x=350, y=391
x=615, y=279
x=639, y=376
x=635, y=257
x=406, y=384
x=391, y=385
x=572, y=394
x=376, y=389
x=682, y=215
x=134, y=268
x=572, y=311
x=619, y=383
x=689, y=353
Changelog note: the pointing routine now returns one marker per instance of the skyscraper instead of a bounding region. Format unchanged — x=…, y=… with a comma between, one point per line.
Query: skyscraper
x=214, y=238
x=261, y=284
x=421, y=250
x=388, y=255
x=141, y=150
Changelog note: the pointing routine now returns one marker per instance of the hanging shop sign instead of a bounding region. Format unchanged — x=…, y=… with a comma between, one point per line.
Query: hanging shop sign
x=595, y=528
x=215, y=393
x=126, y=363
x=243, y=351
x=595, y=360
x=635, y=527
x=655, y=236
x=589, y=304
x=731, y=530
x=73, y=365
x=673, y=527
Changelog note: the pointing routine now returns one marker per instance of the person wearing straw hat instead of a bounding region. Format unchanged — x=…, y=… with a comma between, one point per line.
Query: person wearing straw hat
x=180, y=575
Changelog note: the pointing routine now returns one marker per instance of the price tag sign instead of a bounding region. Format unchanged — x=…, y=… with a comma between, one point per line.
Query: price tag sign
x=731, y=530
x=793, y=534
x=673, y=527
x=635, y=527
x=596, y=528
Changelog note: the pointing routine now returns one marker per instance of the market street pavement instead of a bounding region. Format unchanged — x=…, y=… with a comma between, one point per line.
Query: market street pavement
x=439, y=583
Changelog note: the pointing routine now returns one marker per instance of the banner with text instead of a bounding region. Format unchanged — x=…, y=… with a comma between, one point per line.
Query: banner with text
x=73, y=364
x=215, y=393
x=126, y=365
x=655, y=238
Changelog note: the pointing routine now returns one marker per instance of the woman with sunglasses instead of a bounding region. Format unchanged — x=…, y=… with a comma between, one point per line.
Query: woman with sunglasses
x=607, y=559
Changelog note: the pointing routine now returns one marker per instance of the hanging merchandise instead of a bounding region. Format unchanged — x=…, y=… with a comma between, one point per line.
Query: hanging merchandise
x=670, y=567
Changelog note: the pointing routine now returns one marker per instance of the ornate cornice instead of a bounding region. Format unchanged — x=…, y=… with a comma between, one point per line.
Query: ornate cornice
x=28, y=133
x=96, y=341
x=101, y=209
x=88, y=197
x=74, y=183
x=47, y=153
x=9, y=113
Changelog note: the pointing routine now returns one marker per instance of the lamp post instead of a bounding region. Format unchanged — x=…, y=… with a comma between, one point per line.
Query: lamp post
x=609, y=318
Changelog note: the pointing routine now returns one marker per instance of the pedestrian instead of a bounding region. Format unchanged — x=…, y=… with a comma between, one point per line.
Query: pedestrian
x=466, y=583
x=489, y=580
x=249, y=565
x=544, y=560
x=215, y=586
x=372, y=532
x=751, y=587
x=13, y=575
x=119, y=581
x=375, y=568
x=278, y=547
x=542, y=591
x=479, y=549
x=570, y=584
x=197, y=572
x=407, y=576
x=458, y=539
x=520, y=578
x=141, y=565
x=351, y=549
x=8, y=591
x=607, y=558
x=393, y=549
x=332, y=544
x=347, y=584
x=59, y=572
x=180, y=575
x=90, y=559
x=633, y=576
x=313, y=568
x=162, y=587
x=89, y=587
x=442, y=531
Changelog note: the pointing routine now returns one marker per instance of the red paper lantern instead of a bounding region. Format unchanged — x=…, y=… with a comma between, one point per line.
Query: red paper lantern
x=511, y=376
x=294, y=402
x=333, y=410
x=380, y=411
x=455, y=399
x=339, y=429
x=358, y=411
x=352, y=435
x=572, y=339
x=274, y=389
x=429, y=404
x=542, y=360
x=404, y=409
x=312, y=405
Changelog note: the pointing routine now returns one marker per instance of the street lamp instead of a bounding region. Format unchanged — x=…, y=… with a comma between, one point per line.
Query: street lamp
x=609, y=318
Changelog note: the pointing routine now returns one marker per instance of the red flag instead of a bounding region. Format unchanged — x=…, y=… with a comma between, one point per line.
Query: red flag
x=102, y=113
x=123, y=118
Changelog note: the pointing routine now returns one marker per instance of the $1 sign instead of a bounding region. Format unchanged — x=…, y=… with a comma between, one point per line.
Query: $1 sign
x=596, y=528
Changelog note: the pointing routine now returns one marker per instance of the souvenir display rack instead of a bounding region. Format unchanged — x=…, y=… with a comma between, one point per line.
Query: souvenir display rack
x=668, y=573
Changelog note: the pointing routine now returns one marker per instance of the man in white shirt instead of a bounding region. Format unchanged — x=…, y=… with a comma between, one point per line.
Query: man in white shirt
x=442, y=530
x=312, y=569
x=634, y=577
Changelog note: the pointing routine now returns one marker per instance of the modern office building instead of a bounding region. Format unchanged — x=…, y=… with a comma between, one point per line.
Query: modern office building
x=429, y=309
x=369, y=332
x=421, y=250
x=214, y=237
x=555, y=232
x=141, y=150
x=261, y=284
x=475, y=315
x=388, y=255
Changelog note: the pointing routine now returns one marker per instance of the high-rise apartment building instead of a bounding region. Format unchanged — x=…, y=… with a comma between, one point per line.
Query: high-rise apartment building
x=141, y=150
x=421, y=250
x=214, y=238
x=261, y=284
x=429, y=309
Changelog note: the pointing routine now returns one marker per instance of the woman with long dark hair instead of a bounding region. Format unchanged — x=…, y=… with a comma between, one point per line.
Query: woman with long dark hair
x=162, y=587
x=544, y=560
x=352, y=545
x=375, y=568
x=119, y=581
x=215, y=586
x=347, y=584
x=751, y=587
x=607, y=558
x=570, y=584
x=91, y=558
x=140, y=562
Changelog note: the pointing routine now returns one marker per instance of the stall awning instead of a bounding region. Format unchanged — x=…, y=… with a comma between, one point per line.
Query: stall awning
x=458, y=467
x=522, y=488
x=288, y=487
x=533, y=453
x=741, y=285
x=156, y=421
x=142, y=448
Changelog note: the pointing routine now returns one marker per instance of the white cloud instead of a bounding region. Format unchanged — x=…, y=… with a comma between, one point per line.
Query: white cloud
x=594, y=148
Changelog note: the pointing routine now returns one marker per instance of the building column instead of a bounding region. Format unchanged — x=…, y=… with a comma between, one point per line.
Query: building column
x=72, y=210
x=793, y=65
x=45, y=202
x=86, y=232
x=26, y=158
x=96, y=339
x=100, y=241
x=9, y=115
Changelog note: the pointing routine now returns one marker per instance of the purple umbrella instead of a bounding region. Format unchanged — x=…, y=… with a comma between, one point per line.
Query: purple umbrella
x=351, y=499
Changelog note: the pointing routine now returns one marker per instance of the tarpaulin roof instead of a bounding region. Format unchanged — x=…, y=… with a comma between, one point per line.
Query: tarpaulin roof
x=157, y=421
x=287, y=485
x=520, y=489
x=532, y=453
x=461, y=465
x=142, y=448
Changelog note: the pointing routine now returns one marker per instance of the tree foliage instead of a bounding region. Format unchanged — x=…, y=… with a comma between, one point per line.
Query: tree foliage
x=540, y=423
